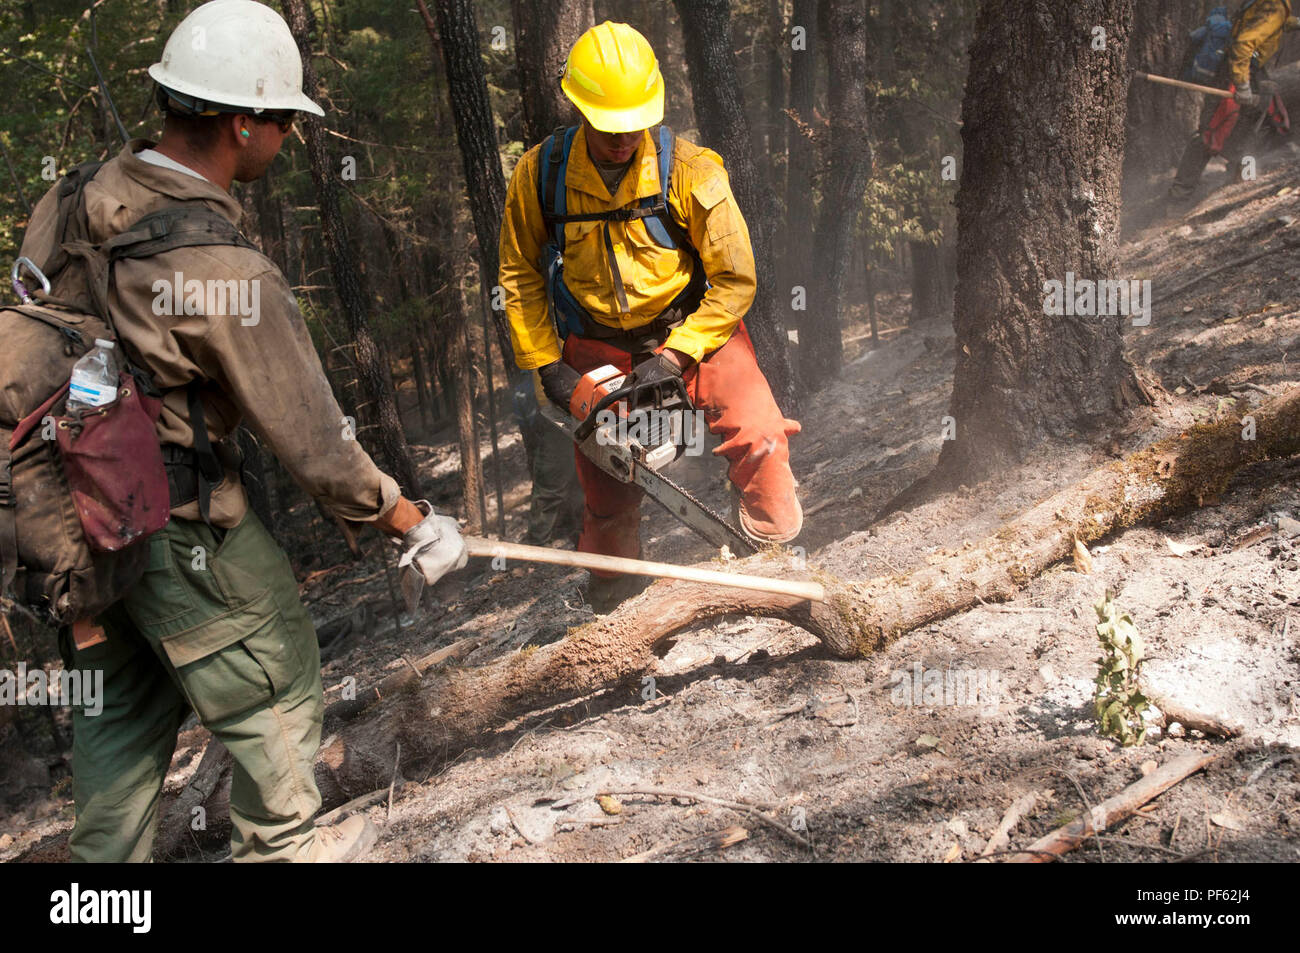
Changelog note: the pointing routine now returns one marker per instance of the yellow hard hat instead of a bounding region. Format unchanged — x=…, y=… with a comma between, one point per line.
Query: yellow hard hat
x=613, y=77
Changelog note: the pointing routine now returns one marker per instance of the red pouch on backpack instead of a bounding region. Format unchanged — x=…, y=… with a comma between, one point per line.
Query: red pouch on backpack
x=1221, y=125
x=114, y=466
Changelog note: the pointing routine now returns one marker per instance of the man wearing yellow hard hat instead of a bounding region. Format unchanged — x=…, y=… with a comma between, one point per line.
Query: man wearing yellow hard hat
x=623, y=245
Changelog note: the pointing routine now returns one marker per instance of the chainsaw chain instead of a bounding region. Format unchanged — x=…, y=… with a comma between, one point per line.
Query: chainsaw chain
x=742, y=542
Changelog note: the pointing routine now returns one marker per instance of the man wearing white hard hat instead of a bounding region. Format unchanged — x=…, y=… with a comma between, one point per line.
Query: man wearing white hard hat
x=216, y=624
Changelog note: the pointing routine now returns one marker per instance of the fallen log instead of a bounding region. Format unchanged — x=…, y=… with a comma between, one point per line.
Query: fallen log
x=1112, y=810
x=175, y=827
x=458, y=708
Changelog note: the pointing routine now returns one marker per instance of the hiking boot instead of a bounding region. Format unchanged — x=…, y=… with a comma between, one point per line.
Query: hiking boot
x=345, y=842
x=606, y=593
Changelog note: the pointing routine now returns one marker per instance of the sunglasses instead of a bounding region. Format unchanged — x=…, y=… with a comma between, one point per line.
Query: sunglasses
x=282, y=119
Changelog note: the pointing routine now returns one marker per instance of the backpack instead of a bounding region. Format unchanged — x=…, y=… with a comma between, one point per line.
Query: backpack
x=80, y=494
x=1214, y=38
x=653, y=211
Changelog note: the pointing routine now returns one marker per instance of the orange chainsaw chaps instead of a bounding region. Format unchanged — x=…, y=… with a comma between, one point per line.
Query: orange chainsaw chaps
x=1221, y=125
x=738, y=406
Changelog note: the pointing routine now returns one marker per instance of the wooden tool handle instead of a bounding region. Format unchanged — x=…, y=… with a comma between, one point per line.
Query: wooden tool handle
x=477, y=546
x=1180, y=84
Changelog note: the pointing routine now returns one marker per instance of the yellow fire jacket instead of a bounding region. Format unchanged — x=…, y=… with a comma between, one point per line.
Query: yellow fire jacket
x=1259, y=31
x=700, y=197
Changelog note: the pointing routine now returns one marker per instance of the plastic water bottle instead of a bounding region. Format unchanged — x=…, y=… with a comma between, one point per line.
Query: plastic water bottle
x=94, y=378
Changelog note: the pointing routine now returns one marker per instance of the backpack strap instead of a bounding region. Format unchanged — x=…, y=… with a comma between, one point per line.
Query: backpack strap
x=553, y=167
x=8, y=523
x=182, y=226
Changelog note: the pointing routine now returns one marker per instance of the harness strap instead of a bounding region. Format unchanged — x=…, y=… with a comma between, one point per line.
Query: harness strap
x=8, y=524
x=207, y=467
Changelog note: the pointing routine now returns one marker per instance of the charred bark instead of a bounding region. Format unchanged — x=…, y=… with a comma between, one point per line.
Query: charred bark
x=802, y=162
x=1039, y=199
x=545, y=31
x=720, y=115
x=1160, y=119
x=456, y=36
x=821, y=346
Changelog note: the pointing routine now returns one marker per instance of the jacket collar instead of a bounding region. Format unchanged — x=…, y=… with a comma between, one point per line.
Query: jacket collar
x=173, y=184
x=641, y=180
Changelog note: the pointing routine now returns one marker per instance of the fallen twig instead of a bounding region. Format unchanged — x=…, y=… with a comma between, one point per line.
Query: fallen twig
x=1113, y=809
x=1172, y=711
x=753, y=808
x=1002, y=836
x=717, y=840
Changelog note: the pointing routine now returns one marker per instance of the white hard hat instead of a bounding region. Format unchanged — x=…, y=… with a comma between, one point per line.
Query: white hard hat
x=234, y=53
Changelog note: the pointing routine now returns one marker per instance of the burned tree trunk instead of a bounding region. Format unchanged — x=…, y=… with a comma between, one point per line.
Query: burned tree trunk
x=720, y=115
x=545, y=31
x=1159, y=118
x=1039, y=200
x=456, y=36
x=802, y=161
x=821, y=347
x=372, y=366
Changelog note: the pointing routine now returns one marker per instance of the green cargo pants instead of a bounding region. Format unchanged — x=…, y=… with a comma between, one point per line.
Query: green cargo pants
x=216, y=625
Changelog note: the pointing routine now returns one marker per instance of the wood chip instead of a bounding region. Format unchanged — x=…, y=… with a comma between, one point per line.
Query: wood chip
x=1082, y=558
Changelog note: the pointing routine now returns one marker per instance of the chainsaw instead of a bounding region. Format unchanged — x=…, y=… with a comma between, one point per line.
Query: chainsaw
x=633, y=443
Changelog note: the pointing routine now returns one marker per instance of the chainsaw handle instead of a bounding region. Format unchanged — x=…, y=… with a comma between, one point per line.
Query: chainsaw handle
x=586, y=428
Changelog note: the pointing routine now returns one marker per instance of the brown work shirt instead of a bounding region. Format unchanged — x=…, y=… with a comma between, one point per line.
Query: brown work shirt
x=246, y=343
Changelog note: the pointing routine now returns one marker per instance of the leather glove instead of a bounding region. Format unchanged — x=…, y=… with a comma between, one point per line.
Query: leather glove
x=559, y=381
x=649, y=379
x=430, y=549
x=1292, y=23
x=1245, y=96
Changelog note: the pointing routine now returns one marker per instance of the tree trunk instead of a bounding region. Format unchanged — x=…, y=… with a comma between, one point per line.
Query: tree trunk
x=545, y=31
x=1039, y=199
x=821, y=347
x=372, y=366
x=774, y=71
x=802, y=162
x=720, y=115
x=1160, y=119
x=456, y=35
x=462, y=371
x=927, y=282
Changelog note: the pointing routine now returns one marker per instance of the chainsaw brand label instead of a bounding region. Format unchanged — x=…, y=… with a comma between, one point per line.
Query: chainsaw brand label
x=236, y=298
x=653, y=428
x=1088, y=298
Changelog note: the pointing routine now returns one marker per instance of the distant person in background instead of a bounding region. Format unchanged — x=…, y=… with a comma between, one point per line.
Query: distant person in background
x=1233, y=127
x=555, y=505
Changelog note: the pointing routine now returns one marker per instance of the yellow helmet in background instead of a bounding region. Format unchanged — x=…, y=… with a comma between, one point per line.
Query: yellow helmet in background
x=612, y=76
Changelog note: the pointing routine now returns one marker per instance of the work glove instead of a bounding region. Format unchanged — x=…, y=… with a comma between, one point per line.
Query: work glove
x=650, y=379
x=430, y=549
x=1267, y=89
x=559, y=381
x=1245, y=96
x=1292, y=23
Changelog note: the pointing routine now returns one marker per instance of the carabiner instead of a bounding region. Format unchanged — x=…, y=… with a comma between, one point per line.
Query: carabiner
x=19, y=288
